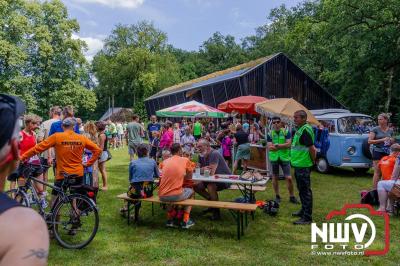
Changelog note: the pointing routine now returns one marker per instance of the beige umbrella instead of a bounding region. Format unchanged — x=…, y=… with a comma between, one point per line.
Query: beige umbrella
x=284, y=108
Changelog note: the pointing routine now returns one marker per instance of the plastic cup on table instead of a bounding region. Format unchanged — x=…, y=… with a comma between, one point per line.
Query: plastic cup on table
x=206, y=173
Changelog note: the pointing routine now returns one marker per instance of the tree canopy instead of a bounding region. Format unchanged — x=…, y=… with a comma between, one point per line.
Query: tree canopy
x=350, y=47
x=40, y=60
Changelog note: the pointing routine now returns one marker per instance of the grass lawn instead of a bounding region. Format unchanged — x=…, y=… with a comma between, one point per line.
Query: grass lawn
x=267, y=241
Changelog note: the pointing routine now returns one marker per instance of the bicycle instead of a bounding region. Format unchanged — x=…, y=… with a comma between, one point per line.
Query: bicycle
x=70, y=214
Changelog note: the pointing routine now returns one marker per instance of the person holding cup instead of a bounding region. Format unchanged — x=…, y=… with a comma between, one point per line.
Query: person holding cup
x=381, y=138
x=211, y=163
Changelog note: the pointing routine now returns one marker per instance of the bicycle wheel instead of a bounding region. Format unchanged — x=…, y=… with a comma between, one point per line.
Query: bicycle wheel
x=20, y=196
x=75, y=221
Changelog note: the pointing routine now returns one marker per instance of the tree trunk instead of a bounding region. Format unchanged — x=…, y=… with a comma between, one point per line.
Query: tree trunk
x=389, y=86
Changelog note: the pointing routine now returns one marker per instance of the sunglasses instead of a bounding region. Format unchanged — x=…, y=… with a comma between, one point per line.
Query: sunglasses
x=276, y=122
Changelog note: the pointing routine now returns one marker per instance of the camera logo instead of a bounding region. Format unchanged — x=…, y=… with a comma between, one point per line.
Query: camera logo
x=353, y=236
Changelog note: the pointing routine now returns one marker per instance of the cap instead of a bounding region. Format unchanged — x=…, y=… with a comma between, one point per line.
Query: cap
x=11, y=108
x=69, y=121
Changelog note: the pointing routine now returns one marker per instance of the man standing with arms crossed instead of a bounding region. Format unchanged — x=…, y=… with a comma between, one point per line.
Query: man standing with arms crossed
x=23, y=233
x=279, y=142
x=303, y=155
x=55, y=115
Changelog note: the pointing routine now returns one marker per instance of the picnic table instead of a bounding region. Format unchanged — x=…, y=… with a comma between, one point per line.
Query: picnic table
x=245, y=186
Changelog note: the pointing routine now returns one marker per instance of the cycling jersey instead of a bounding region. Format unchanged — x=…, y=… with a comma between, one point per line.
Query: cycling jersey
x=6, y=203
x=69, y=148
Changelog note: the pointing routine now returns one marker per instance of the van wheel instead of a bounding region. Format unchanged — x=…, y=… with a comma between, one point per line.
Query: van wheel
x=322, y=165
x=361, y=171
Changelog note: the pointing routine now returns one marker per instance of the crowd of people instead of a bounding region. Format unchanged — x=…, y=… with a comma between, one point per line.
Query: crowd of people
x=170, y=151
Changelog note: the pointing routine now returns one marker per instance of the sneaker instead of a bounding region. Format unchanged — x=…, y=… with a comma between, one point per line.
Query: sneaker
x=43, y=203
x=293, y=200
x=302, y=221
x=278, y=199
x=188, y=224
x=170, y=223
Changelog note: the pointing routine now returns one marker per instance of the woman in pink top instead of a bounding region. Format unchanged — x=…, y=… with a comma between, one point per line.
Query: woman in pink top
x=167, y=136
x=226, y=145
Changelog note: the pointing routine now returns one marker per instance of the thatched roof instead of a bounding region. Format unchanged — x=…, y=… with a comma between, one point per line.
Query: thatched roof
x=117, y=114
x=213, y=77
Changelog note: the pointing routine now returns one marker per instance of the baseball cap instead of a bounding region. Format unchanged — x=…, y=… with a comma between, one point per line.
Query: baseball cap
x=69, y=121
x=11, y=108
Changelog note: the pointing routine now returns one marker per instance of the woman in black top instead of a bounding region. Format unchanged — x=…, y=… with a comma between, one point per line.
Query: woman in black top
x=243, y=148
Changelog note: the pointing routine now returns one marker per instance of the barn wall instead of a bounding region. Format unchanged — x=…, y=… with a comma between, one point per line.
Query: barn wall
x=277, y=78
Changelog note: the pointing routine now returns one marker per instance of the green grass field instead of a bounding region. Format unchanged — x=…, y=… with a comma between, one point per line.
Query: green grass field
x=267, y=241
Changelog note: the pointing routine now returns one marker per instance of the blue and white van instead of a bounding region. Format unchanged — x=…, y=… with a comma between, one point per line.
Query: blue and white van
x=348, y=135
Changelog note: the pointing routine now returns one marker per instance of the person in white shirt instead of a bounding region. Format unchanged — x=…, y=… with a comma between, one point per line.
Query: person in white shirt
x=55, y=115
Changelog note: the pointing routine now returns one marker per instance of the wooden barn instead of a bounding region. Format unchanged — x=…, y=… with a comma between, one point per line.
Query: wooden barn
x=274, y=76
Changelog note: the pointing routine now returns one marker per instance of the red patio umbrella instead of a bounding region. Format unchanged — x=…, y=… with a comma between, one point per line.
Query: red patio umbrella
x=242, y=104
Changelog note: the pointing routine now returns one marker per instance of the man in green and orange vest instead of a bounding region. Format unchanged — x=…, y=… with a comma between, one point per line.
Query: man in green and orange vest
x=303, y=155
x=279, y=142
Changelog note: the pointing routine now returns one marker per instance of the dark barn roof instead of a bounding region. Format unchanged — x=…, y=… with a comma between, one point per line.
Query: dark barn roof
x=273, y=76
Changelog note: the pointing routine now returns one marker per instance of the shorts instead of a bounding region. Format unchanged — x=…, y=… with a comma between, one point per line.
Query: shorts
x=139, y=190
x=44, y=163
x=220, y=186
x=243, y=152
x=132, y=148
x=376, y=155
x=22, y=171
x=59, y=184
x=103, y=156
x=386, y=185
x=186, y=194
x=114, y=135
x=285, y=168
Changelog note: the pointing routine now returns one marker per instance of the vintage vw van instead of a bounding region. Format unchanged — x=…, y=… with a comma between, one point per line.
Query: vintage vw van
x=348, y=136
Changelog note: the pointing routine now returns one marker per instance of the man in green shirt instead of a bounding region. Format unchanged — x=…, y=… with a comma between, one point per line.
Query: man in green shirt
x=197, y=129
x=303, y=155
x=135, y=132
x=279, y=142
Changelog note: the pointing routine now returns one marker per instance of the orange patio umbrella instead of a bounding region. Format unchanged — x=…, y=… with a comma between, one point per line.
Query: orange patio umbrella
x=241, y=105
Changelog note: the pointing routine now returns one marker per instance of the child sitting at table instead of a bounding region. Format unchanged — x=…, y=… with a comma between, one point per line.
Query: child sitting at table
x=142, y=172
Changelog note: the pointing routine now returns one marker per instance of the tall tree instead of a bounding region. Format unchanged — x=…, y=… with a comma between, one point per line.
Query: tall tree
x=39, y=57
x=134, y=64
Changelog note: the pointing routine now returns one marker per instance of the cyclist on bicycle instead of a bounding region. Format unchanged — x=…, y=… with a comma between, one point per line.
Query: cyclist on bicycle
x=17, y=222
x=28, y=140
x=69, y=148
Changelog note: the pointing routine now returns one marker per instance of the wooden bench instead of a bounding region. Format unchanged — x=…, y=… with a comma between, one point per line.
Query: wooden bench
x=238, y=210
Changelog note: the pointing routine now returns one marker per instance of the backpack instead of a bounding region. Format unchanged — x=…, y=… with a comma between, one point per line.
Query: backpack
x=370, y=197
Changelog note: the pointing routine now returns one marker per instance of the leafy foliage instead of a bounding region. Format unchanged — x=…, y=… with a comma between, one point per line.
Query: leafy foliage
x=39, y=59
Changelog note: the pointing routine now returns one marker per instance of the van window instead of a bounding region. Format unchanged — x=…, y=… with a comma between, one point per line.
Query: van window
x=329, y=124
x=355, y=125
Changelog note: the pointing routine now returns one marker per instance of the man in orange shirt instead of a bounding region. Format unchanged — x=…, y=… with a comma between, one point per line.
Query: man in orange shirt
x=174, y=171
x=69, y=147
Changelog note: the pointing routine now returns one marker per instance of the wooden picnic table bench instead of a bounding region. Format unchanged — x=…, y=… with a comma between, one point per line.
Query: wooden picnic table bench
x=238, y=210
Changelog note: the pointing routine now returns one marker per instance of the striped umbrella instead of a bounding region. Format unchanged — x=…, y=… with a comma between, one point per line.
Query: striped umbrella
x=191, y=109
